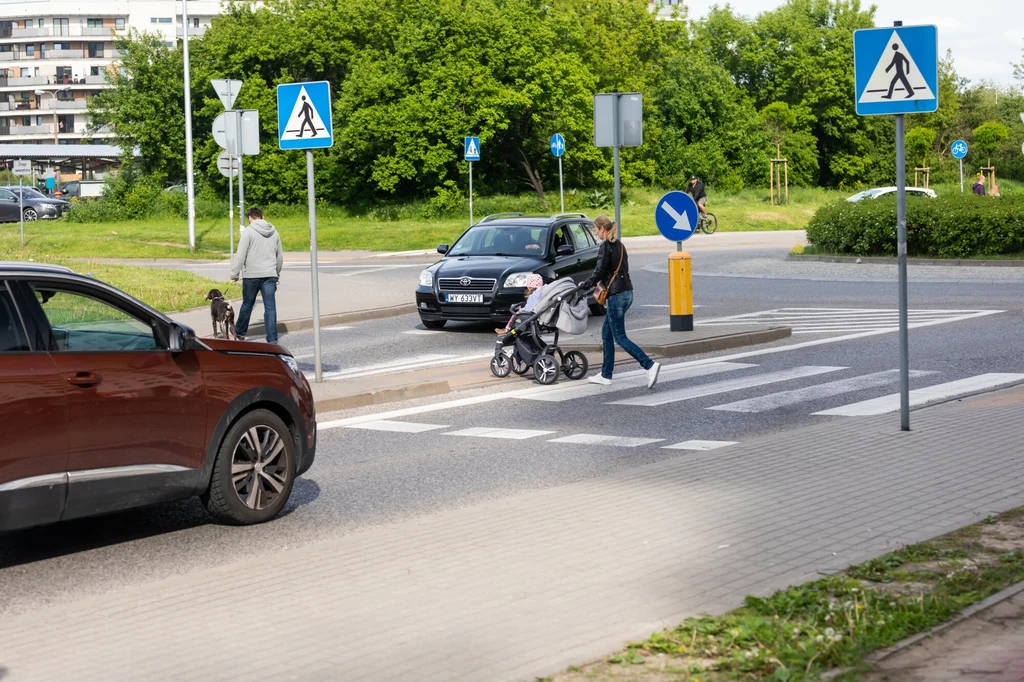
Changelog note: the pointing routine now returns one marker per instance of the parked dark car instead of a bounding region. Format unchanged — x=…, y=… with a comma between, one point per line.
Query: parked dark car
x=109, y=405
x=484, y=272
x=37, y=206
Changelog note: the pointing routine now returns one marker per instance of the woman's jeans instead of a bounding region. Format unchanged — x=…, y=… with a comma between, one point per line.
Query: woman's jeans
x=614, y=331
x=267, y=288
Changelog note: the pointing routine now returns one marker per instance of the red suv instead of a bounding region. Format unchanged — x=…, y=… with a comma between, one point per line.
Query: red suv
x=109, y=405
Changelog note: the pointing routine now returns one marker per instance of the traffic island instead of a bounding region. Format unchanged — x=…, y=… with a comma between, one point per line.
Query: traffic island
x=703, y=339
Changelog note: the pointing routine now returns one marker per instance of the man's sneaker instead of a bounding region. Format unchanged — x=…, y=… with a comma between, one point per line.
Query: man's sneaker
x=598, y=379
x=652, y=374
x=239, y=338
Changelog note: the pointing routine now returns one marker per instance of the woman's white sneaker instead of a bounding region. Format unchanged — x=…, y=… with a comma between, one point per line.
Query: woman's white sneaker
x=652, y=374
x=598, y=379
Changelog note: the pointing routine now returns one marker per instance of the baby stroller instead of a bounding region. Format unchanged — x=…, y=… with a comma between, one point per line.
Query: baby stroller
x=562, y=309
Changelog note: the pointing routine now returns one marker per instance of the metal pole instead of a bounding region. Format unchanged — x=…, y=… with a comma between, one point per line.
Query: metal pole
x=471, y=193
x=679, y=246
x=561, y=192
x=615, y=153
x=231, y=207
x=241, y=183
x=189, y=178
x=901, y=267
x=961, y=176
x=314, y=273
x=21, y=211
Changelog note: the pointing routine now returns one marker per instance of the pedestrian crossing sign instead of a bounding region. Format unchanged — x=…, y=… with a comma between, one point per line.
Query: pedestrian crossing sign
x=896, y=70
x=472, y=149
x=304, y=115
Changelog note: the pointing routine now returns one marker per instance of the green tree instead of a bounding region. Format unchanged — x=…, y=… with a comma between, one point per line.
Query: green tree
x=988, y=137
x=919, y=142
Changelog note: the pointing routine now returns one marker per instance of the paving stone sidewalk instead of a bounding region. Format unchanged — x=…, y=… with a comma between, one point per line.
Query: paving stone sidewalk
x=519, y=587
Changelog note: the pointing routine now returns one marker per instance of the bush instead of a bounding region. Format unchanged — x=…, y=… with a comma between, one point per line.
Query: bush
x=957, y=226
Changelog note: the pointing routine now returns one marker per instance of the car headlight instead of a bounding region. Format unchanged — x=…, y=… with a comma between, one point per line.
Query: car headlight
x=48, y=206
x=426, y=278
x=517, y=280
x=292, y=365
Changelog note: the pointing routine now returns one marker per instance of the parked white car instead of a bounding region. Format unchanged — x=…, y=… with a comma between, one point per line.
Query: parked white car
x=882, y=191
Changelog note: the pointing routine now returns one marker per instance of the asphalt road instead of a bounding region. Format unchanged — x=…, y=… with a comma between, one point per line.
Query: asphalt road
x=840, y=355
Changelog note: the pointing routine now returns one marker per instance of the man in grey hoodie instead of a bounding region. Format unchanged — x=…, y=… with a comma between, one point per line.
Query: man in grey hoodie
x=258, y=260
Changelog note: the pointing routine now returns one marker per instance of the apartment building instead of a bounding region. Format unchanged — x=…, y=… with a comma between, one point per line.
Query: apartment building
x=665, y=9
x=54, y=56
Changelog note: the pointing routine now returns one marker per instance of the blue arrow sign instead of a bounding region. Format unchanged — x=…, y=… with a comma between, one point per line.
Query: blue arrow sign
x=304, y=115
x=557, y=144
x=676, y=216
x=896, y=70
x=472, y=149
x=959, y=149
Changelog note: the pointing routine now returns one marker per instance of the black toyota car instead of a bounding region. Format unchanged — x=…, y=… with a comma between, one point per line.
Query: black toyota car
x=484, y=272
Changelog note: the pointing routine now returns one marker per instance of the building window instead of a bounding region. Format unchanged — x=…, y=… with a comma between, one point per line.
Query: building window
x=37, y=72
x=6, y=48
x=25, y=72
x=61, y=27
x=195, y=22
x=42, y=23
x=66, y=124
x=29, y=23
x=119, y=23
x=30, y=50
x=62, y=46
x=94, y=71
x=94, y=23
x=39, y=120
x=95, y=50
x=160, y=20
x=5, y=29
x=170, y=43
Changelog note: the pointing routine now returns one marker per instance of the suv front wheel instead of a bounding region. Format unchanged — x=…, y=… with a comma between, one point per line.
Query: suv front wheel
x=254, y=471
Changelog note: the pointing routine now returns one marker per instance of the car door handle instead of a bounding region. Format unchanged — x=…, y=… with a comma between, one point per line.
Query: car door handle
x=85, y=379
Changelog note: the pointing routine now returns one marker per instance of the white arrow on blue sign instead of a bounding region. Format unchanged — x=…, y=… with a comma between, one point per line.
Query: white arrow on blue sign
x=676, y=216
x=472, y=149
x=959, y=149
x=304, y=115
x=557, y=144
x=896, y=70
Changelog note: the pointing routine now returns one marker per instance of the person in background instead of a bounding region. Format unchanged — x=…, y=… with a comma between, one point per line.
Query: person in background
x=613, y=271
x=697, y=190
x=979, y=185
x=258, y=261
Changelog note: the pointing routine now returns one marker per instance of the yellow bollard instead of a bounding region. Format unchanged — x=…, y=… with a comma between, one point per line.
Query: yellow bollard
x=680, y=292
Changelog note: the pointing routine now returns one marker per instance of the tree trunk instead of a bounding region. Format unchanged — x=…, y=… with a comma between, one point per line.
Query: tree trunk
x=532, y=176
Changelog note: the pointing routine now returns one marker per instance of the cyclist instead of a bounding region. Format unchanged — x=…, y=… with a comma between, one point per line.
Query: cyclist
x=696, y=190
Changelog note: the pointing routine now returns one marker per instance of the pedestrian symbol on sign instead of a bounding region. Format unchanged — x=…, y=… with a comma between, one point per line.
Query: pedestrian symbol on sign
x=304, y=115
x=896, y=72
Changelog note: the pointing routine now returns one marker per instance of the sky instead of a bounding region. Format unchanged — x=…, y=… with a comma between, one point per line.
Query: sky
x=986, y=36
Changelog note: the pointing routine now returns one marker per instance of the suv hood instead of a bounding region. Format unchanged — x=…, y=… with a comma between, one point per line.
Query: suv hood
x=231, y=346
x=497, y=267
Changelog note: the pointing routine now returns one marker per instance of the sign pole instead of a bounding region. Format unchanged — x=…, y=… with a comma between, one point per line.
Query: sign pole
x=561, y=192
x=314, y=272
x=231, y=210
x=241, y=184
x=21, y=211
x=470, y=193
x=189, y=172
x=616, y=141
x=961, y=176
x=901, y=267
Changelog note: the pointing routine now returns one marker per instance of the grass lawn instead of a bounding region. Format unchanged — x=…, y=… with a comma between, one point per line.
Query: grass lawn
x=339, y=230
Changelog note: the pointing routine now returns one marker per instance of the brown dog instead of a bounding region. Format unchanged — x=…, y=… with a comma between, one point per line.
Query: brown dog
x=222, y=313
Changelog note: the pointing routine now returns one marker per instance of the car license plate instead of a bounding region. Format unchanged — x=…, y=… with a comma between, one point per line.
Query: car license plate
x=464, y=298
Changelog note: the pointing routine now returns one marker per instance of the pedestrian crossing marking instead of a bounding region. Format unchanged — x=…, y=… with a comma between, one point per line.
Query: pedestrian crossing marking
x=615, y=441
x=842, y=320
x=305, y=121
x=896, y=76
x=397, y=427
x=700, y=445
x=774, y=401
x=511, y=434
x=701, y=390
x=920, y=396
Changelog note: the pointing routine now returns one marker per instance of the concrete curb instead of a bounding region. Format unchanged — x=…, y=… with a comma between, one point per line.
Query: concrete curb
x=306, y=323
x=388, y=395
x=877, y=260
x=696, y=347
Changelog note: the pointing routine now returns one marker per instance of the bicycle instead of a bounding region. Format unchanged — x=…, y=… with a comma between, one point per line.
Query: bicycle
x=707, y=223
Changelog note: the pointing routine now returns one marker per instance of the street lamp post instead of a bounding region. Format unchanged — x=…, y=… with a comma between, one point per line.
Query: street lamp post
x=189, y=177
x=52, y=93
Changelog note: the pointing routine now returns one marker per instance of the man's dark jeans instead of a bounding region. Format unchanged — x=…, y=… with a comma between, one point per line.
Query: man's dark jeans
x=266, y=287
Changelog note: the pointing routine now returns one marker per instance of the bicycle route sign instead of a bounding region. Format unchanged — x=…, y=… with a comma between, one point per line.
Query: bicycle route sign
x=896, y=70
x=959, y=149
x=557, y=144
x=676, y=216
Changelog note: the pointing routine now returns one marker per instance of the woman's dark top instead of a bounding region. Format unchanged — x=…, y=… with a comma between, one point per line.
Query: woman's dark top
x=607, y=262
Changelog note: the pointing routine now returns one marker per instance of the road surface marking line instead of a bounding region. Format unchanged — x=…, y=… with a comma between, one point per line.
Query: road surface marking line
x=419, y=362
x=614, y=441
x=774, y=401
x=511, y=434
x=920, y=396
x=636, y=380
x=959, y=318
x=423, y=332
x=397, y=427
x=700, y=445
x=702, y=390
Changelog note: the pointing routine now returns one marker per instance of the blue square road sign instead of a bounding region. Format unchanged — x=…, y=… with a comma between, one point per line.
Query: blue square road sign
x=896, y=70
x=304, y=115
x=471, y=152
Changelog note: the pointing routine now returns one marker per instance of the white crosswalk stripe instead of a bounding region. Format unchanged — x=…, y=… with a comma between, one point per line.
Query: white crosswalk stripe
x=699, y=445
x=397, y=427
x=920, y=396
x=701, y=390
x=511, y=434
x=615, y=441
x=558, y=394
x=403, y=365
x=774, y=401
x=836, y=320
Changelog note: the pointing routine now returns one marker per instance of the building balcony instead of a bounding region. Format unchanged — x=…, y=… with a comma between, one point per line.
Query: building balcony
x=8, y=56
x=65, y=54
x=193, y=31
x=45, y=129
x=67, y=104
x=97, y=31
x=30, y=33
x=24, y=81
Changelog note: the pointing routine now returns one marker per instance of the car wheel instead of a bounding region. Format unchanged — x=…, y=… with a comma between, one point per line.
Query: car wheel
x=30, y=214
x=598, y=310
x=433, y=324
x=254, y=471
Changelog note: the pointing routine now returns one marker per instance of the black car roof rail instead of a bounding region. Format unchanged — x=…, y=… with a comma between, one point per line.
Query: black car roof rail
x=570, y=215
x=507, y=214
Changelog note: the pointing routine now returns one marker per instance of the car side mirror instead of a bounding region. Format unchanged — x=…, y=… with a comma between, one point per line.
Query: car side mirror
x=181, y=338
x=565, y=250
x=442, y=249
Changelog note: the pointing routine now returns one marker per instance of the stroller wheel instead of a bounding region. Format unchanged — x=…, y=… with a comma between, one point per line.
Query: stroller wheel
x=575, y=365
x=500, y=366
x=545, y=370
x=518, y=366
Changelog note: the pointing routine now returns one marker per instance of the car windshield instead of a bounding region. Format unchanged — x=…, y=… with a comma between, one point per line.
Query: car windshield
x=866, y=194
x=501, y=240
x=33, y=193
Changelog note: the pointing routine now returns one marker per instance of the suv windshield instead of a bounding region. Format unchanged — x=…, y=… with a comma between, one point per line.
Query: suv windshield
x=501, y=240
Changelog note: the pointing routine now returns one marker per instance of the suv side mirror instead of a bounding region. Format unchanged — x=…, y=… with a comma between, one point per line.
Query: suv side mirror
x=181, y=338
x=442, y=249
x=565, y=250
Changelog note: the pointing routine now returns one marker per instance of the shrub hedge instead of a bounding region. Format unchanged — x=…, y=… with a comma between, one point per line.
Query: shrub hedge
x=959, y=226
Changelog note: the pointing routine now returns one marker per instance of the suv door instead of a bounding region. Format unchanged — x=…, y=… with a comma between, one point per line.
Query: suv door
x=575, y=264
x=33, y=402
x=137, y=412
x=586, y=248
